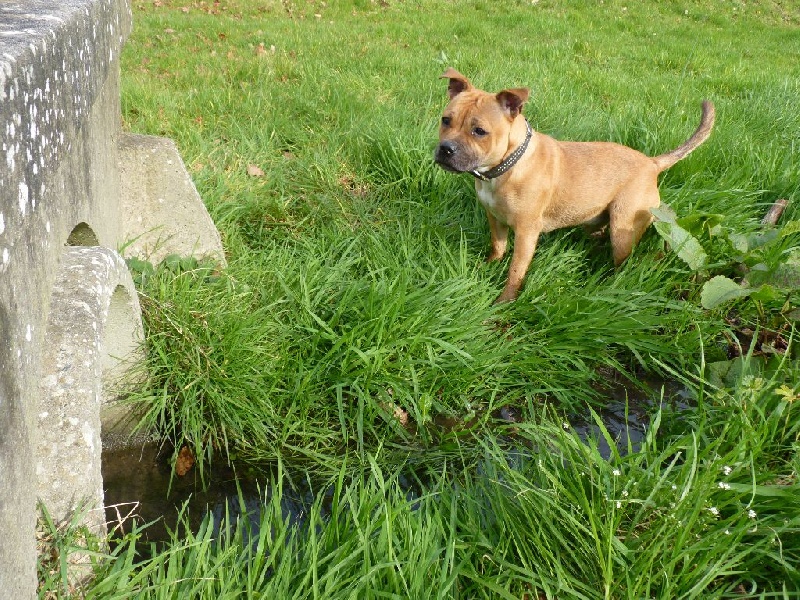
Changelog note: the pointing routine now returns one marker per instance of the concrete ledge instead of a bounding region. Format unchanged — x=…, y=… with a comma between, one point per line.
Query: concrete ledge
x=69, y=178
x=55, y=59
x=164, y=213
x=59, y=119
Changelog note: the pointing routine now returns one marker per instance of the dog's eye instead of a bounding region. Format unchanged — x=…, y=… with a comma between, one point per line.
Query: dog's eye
x=446, y=121
x=479, y=132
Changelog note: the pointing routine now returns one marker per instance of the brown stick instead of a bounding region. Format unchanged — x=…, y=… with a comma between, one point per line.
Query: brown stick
x=775, y=212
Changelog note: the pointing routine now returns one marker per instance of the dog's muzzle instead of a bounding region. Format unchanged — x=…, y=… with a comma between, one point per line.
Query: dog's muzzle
x=445, y=155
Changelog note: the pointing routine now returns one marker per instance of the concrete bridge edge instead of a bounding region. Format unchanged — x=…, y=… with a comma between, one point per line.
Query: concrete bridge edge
x=72, y=186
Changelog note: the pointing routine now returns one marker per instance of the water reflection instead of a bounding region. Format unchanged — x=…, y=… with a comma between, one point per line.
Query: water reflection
x=141, y=480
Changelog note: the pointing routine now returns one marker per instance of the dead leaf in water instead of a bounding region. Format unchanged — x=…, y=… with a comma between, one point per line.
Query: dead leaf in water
x=184, y=462
x=401, y=415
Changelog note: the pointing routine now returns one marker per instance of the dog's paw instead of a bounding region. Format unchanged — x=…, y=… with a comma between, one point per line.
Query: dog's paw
x=506, y=296
x=493, y=256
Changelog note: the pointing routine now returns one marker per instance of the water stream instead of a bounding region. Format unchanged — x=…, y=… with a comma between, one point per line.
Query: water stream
x=141, y=480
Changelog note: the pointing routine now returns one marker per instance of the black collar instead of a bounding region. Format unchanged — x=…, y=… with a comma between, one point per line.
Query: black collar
x=510, y=160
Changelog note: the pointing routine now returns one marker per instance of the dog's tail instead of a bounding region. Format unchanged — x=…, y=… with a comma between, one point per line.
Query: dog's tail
x=665, y=161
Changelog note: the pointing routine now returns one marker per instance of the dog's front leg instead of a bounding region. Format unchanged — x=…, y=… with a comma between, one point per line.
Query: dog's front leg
x=525, y=239
x=499, y=232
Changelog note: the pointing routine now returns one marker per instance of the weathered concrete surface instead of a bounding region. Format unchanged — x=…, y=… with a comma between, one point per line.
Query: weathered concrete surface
x=59, y=128
x=66, y=179
x=94, y=312
x=167, y=215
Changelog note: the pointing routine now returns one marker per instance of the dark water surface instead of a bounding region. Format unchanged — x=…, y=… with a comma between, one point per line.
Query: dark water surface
x=626, y=415
x=142, y=481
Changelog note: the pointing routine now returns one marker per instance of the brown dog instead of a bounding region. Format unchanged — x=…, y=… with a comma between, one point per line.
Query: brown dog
x=533, y=183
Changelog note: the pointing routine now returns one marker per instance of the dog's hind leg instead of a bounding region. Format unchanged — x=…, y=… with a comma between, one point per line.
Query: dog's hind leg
x=628, y=222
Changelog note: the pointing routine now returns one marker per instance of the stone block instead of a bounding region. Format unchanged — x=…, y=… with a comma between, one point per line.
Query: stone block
x=70, y=178
x=162, y=212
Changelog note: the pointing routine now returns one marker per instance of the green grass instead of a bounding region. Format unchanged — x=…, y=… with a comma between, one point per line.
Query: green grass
x=356, y=288
x=536, y=511
x=356, y=278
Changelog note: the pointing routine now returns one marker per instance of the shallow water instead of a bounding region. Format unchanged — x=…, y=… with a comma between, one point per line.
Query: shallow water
x=141, y=481
x=626, y=415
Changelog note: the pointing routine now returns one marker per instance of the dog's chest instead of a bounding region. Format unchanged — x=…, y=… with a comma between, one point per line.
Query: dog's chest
x=487, y=196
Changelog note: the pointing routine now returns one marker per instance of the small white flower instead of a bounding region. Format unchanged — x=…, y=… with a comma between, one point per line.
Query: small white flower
x=619, y=504
x=724, y=486
x=624, y=493
x=714, y=511
x=616, y=472
x=751, y=513
x=727, y=470
x=727, y=532
x=674, y=487
x=565, y=425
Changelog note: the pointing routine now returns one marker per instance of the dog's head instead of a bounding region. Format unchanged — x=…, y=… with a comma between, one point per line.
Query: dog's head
x=475, y=126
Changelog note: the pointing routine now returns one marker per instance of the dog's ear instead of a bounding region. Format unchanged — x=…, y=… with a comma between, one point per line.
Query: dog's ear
x=511, y=101
x=458, y=83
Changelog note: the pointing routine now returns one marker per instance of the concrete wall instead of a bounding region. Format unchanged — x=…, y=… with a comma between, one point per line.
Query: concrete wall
x=63, y=289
